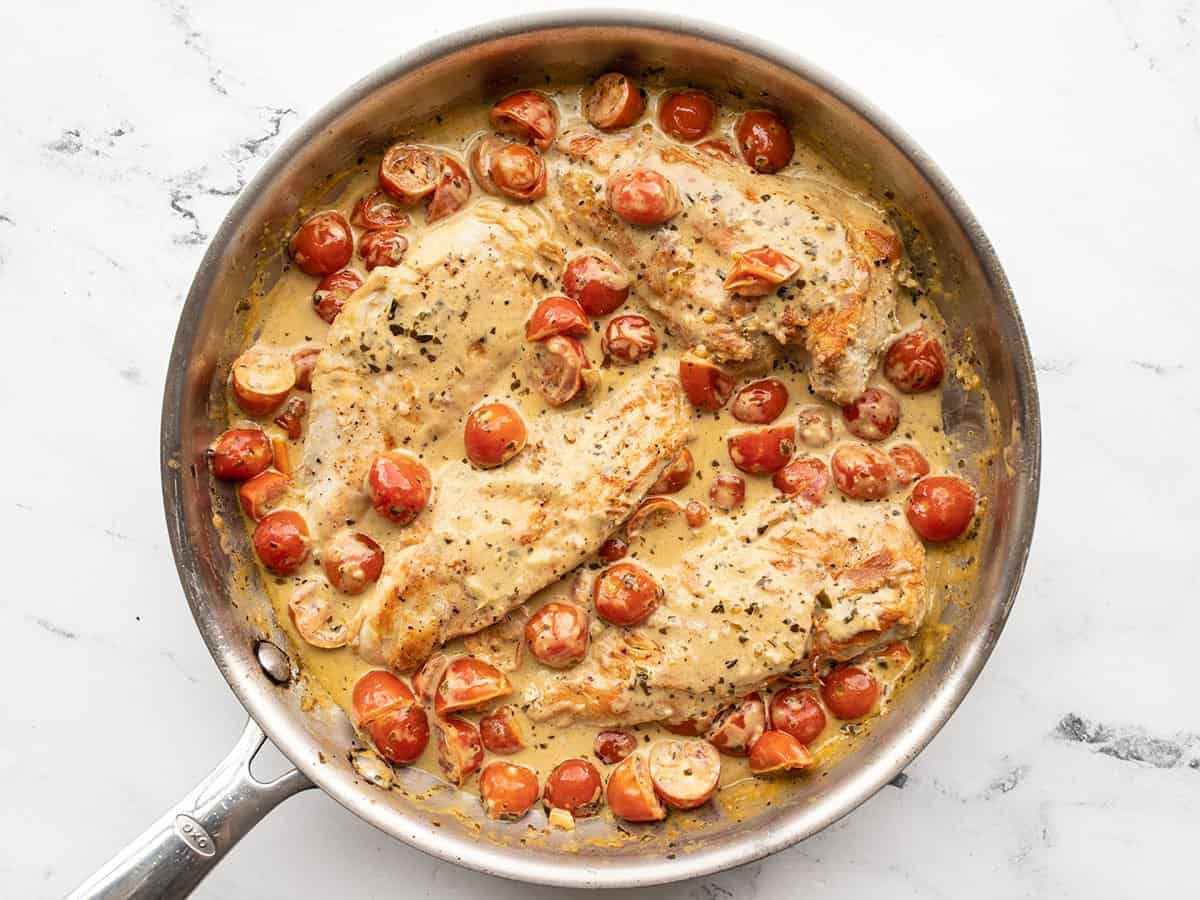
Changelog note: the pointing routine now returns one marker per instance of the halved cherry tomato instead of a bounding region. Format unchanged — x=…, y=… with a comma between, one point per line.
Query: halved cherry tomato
x=399, y=486
x=597, y=283
x=630, y=791
x=334, y=290
x=886, y=245
x=677, y=475
x=469, y=683
x=352, y=561
x=427, y=678
x=323, y=243
x=908, y=463
x=760, y=402
x=872, y=415
x=513, y=170
x=626, y=594
x=291, y=419
x=815, y=426
x=281, y=541
x=409, y=173
x=691, y=727
x=557, y=634
x=798, y=711
x=758, y=272
x=728, y=491
x=261, y=380
x=651, y=511
x=494, y=434
x=507, y=790
x=460, y=751
x=696, y=513
x=861, y=471
x=684, y=773
x=643, y=196
x=574, y=785
x=737, y=727
x=706, y=384
x=374, y=210
x=629, y=338
x=386, y=710
x=529, y=115
x=304, y=361
x=758, y=451
x=804, y=476
x=778, y=751
x=850, y=692
x=240, y=453
x=262, y=493
x=377, y=692
x=613, y=745
x=557, y=315
x=686, y=115
x=452, y=192
x=717, y=149
x=557, y=365
x=940, y=508
x=613, y=101
x=765, y=142
x=915, y=362
x=612, y=549
x=384, y=247
x=502, y=732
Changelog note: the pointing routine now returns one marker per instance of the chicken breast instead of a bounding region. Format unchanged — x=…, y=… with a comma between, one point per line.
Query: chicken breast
x=840, y=306
x=494, y=537
x=755, y=603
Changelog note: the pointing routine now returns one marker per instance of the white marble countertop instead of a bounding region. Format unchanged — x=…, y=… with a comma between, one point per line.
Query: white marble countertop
x=1073, y=129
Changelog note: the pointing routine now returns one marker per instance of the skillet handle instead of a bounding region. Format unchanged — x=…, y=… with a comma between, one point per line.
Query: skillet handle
x=175, y=853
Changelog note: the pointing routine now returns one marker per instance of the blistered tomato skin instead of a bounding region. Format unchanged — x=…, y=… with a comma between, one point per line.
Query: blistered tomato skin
x=469, y=683
x=737, y=727
x=629, y=339
x=765, y=142
x=281, y=541
x=684, y=773
x=626, y=594
x=798, y=711
x=613, y=101
x=909, y=463
x=614, y=745
x=508, y=791
x=761, y=451
x=862, y=471
x=323, y=243
x=375, y=209
x=595, y=283
x=728, y=491
x=630, y=791
x=760, y=402
x=383, y=247
x=915, y=362
x=240, y=453
x=850, y=692
x=262, y=493
x=686, y=115
x=677, y=475
x=452, y=192
x=333, y=291
x=409, y=173
x=529, y=115
x=557, y=315
x=941, y=507
x=778, y=751
x=557, y=634
x=643, y=196
x=501, y=731
x=493, y=435
x=511, y=170
x=706, y=384
x=873, y=415
x=557, y=365
x=399, y=486
x=806, y=477
x=386, y=709
x=353, y=561
x=574, y=785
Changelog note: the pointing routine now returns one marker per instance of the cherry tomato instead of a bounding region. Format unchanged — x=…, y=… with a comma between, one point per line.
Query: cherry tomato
x=629, y=339
x=643, y=196
x=399, y=486
x=261, y=380
x=872, y=415
x=940, y=508
x=574, y=785
x=758, y=451
x=262, y=493
x=334, y=290
x=513, y=170
x=386, y=710
x=814, y=426
x=717, y=149
x=706, y=384
x=765, y=142
x=613, y=101
x=374, y=210
x=630, y=791
x=696, y=513
x=861, y=471
x=240, y=453
x=686, y=115
x=758, y=272
x=452, y=192
x=469, y=683
x=651, y=511
x=427, y=678
x=614, y=745
x=493, y=435
x=626, y=594
x=778, y=751
x=377, y=692
x=323, y=243
x=501, y=731
x=385, y=247
x=760, y=402
x=530, y=115
x=596, y=283
x=612, y=549
x=304, y=361
x=460, y=751
x=691, y=727
x=908, y=463
x=798, y=711
x=886, y=245
x=557, y=635
x=684, y=773
x=557, y=315
x=737, y=727
x=806, y=477
x=915, y=362
x=281, y=541
x=677, y=475
x=409, y=173
x=507, y=790
x=352, y=561
x=291, y=419
x=557, y=366
x=850, y=692
x=728, y=491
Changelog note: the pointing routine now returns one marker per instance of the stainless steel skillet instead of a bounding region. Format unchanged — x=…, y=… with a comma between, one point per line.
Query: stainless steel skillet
x=235, y=618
